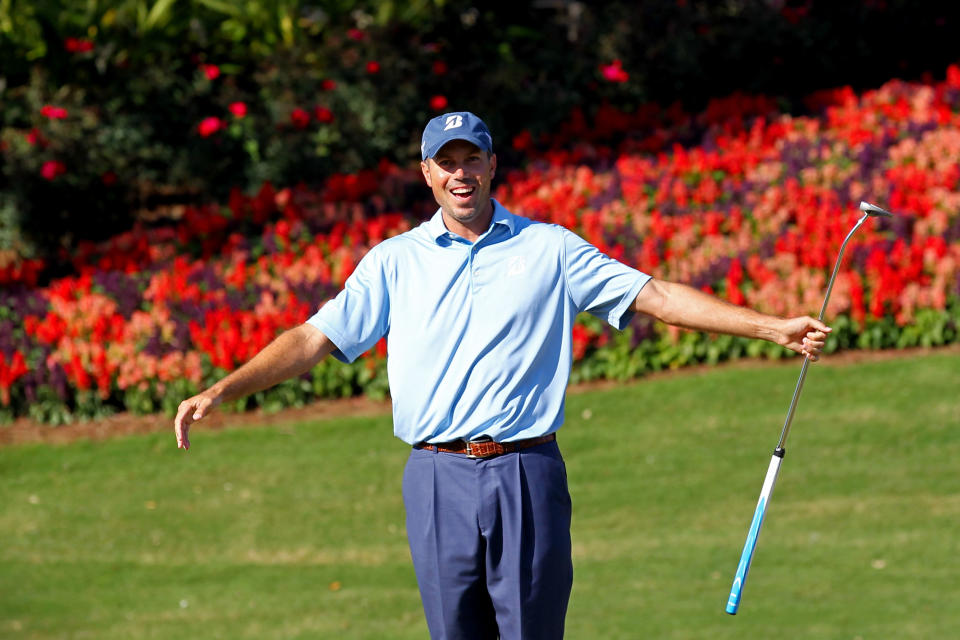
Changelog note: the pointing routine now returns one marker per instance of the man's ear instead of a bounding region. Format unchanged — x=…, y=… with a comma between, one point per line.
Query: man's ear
x=493, y=165
x=425, y=168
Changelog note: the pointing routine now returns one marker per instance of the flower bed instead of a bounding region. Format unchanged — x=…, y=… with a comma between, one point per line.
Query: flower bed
x=754, y=213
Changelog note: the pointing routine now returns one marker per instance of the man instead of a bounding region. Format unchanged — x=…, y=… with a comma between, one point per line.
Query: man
x=477, y=305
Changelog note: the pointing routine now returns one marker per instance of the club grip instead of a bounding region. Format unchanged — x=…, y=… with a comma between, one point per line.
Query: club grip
x=736, y=590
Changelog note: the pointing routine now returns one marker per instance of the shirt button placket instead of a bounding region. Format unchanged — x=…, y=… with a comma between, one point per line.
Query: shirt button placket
x=474, y=271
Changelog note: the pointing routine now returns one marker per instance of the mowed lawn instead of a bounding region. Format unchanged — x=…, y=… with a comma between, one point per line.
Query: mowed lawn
x=298, y=531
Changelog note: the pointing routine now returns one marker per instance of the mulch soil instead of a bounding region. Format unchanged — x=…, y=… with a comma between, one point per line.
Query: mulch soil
x=24, y=430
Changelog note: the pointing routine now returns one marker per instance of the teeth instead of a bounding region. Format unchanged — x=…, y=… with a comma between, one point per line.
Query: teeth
x=463, y=191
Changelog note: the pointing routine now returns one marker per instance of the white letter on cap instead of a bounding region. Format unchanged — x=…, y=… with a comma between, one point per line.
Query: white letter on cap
x=453, y=122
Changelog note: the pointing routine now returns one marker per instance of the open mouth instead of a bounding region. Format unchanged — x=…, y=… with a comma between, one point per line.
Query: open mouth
x=463, y=193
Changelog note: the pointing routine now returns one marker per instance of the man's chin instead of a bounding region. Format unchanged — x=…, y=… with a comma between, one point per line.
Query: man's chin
x=464, y=212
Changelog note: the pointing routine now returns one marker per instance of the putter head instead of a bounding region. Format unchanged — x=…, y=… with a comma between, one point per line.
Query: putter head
x=874, y=210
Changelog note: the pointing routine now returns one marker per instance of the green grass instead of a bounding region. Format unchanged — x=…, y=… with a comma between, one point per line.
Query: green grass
x=297, y=531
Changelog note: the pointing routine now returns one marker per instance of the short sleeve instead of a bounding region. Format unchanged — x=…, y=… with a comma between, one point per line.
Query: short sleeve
x=360, y=314
x=597, y=283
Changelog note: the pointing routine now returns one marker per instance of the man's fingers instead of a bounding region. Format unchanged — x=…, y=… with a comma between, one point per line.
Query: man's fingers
x=807, y=336
x=815, y=339
x=187, y=413
x=815, y=336
x=181, y=427
x=812, y=347
x=818, y=324
x=183, y=442
x=200, y=409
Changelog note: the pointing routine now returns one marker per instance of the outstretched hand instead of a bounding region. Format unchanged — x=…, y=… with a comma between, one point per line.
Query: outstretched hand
x=191, y=410
x=805, y=335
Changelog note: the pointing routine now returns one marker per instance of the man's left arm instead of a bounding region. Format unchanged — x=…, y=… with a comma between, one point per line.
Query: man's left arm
x=686, y=307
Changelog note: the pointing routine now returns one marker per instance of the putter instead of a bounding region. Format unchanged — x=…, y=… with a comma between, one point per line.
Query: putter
x=736, y=591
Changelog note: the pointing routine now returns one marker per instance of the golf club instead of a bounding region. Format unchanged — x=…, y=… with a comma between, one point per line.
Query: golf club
x=736, y=590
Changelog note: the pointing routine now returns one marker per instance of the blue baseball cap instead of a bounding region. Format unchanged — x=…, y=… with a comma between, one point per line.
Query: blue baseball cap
x=458, y=125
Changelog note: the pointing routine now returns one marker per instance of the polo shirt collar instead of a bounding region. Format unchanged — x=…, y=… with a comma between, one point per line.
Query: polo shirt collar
x=438, y=229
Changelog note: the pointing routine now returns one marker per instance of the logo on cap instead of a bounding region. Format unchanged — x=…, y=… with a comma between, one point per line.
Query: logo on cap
x=454, y=126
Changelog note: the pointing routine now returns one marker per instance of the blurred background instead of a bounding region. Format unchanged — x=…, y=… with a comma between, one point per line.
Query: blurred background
x=181, y=180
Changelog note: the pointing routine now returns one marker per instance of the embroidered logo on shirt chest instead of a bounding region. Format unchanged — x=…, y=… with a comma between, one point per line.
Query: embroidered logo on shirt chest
x=516, y=266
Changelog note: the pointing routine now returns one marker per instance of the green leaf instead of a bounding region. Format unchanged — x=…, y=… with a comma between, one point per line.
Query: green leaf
x=222, y=6
x=159, y=14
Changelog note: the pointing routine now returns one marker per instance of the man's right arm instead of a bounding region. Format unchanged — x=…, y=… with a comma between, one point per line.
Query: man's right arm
x=292, y=353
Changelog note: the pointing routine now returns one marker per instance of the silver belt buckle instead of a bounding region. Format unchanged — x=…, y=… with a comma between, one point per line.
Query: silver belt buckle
x=478, y=441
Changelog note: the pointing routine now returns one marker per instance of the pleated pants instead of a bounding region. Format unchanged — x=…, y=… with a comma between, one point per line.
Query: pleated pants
x=490, y=541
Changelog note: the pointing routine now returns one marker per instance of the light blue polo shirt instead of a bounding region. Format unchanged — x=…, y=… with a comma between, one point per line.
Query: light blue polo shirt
x=478, y=334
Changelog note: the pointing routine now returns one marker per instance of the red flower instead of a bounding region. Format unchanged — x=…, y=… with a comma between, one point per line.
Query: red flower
x=794, y=15
x=75, y=370
x=238, y=109
x=109, y=178
x=581, y=340
x=356, y=34
x=734, y=278
x=53, y=113
x=322, y=114
x=438, y=103
x=212, y=71
x=300, y=118
x=373, y=67
x=35, y=138
x=77, y=45
x=9, y=374
x=614, y=72
x=523, y=140
x=439, y=68
x=209, y=126
x=328, y=85
x=52, y=168
x=953, y=76
x=47, y=331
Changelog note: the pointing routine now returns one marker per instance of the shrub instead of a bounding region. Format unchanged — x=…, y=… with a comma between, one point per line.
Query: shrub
x=151, y=89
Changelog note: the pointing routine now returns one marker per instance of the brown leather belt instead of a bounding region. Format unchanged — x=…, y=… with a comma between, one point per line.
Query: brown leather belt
x=484, y=448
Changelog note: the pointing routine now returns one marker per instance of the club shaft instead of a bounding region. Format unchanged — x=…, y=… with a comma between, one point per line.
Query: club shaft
x=806, y=361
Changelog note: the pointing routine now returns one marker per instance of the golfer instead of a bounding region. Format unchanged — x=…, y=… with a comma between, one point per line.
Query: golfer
x=477, y=305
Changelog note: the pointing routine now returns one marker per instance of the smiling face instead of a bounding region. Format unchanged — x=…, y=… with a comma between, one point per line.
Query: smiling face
x=460, y=174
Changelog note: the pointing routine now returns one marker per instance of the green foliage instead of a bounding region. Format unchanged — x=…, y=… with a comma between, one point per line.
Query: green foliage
x=174, y=393
x=99, y=161
x=49, y=408
x=931, y=328
x=139, y=401
x=89, y=405
x=132, y=75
